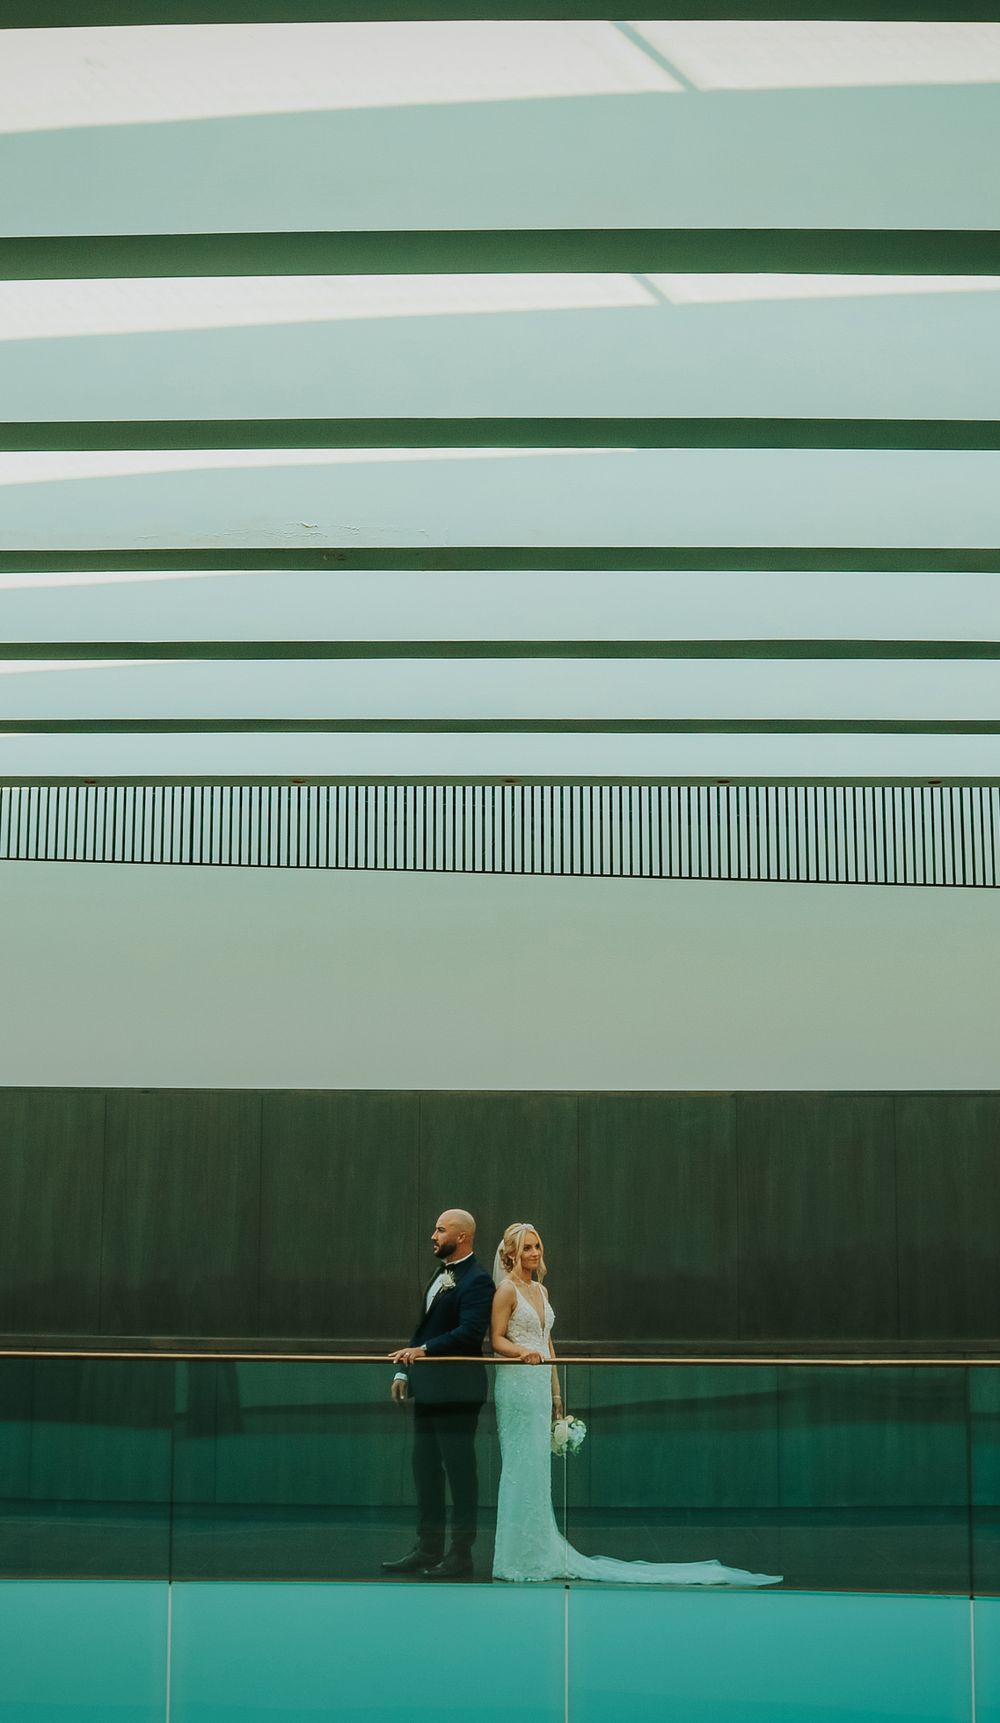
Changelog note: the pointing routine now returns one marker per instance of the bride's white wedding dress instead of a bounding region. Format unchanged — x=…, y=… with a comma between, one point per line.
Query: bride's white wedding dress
x=529, y=1544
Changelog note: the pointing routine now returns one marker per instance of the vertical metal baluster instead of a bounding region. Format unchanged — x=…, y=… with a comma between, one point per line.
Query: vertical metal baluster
x=600, y=829
x=48, y=811
x=744, y=849
x=549, y=828
x=455, y=805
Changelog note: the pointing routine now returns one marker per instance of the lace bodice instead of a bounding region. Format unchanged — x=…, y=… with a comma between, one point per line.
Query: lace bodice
x=525, y=1327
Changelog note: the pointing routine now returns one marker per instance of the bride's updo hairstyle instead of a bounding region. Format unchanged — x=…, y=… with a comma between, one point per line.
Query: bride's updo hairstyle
x=512, y=1245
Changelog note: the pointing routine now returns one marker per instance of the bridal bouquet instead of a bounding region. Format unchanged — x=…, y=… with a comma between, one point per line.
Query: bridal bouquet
x=568, y=1436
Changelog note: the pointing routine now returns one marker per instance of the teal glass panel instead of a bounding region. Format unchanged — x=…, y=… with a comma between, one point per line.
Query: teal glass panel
x=747, y=1657
x=679, y=1464
x=85, y=1468
x=984, y=1415
x=288, y=1654
x=850, y=1478
x=82, y=1651
x=986, y=1655
x=299, y=1470
x=873, y=1467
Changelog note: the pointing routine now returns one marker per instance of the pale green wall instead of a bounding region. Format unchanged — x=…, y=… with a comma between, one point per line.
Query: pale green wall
x=122, y=976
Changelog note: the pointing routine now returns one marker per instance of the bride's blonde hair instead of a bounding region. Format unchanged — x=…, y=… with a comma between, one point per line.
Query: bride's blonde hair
x=512, y=1245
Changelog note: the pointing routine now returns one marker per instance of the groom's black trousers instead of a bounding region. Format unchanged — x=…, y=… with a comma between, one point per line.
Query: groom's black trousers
x=444, y=1445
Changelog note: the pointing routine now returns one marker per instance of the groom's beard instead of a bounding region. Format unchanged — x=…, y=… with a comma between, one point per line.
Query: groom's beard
x=443, y=1251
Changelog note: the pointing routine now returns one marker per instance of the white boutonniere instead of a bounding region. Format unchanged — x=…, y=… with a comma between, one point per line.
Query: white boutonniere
x=447, y=1281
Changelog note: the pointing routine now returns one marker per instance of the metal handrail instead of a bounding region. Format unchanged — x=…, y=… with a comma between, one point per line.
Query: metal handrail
x=748, y=1359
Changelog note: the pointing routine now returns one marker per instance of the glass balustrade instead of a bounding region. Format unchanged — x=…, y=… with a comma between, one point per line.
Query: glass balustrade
x=838, y=1476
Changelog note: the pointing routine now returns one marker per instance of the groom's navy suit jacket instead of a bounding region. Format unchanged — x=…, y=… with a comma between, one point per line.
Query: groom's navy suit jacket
x=455, y=1325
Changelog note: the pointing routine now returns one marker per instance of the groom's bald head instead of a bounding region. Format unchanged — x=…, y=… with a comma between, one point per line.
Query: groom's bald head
x=454, y=1234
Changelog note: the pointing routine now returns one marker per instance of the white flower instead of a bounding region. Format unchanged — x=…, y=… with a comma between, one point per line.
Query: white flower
x=568, y=1435
x=447, y=1280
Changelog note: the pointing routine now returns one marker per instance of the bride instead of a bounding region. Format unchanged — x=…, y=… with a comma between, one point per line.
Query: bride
x=529, y=1545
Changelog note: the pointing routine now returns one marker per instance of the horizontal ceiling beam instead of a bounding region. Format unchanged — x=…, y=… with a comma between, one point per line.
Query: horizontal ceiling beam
x=258, y=650
x=500, y=726
x=52, y=14
x=493, y=433
x=492, y=559
x=701, y=250
x=31, y=780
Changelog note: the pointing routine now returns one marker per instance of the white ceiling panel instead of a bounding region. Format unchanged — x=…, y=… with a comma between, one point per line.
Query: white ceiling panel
x=420, y=756
x=493, y=688
x=907, y=347
x=521, y=605
x=645, y=497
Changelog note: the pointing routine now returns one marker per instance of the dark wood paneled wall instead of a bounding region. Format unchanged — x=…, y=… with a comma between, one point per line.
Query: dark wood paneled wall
x=837, y=1219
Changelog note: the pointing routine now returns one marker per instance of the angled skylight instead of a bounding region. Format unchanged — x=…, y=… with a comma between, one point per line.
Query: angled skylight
x=31, y=310
x=45, y=467
x=734, y=289
x=765, y=55
x=128, y=76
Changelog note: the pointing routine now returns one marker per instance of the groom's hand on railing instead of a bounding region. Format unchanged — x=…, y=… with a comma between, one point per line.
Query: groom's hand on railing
x=407, y=1354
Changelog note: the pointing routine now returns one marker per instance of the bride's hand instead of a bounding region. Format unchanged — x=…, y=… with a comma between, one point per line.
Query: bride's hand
x=531, y=1357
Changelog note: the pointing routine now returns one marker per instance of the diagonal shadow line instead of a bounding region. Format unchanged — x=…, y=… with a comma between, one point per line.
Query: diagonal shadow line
x=646, y=47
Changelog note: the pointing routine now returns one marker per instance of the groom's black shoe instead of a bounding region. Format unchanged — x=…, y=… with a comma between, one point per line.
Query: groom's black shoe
x=418, y=1561
x=457, y=1564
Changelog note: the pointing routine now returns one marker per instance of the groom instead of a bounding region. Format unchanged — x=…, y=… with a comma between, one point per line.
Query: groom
x=447, y=1400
